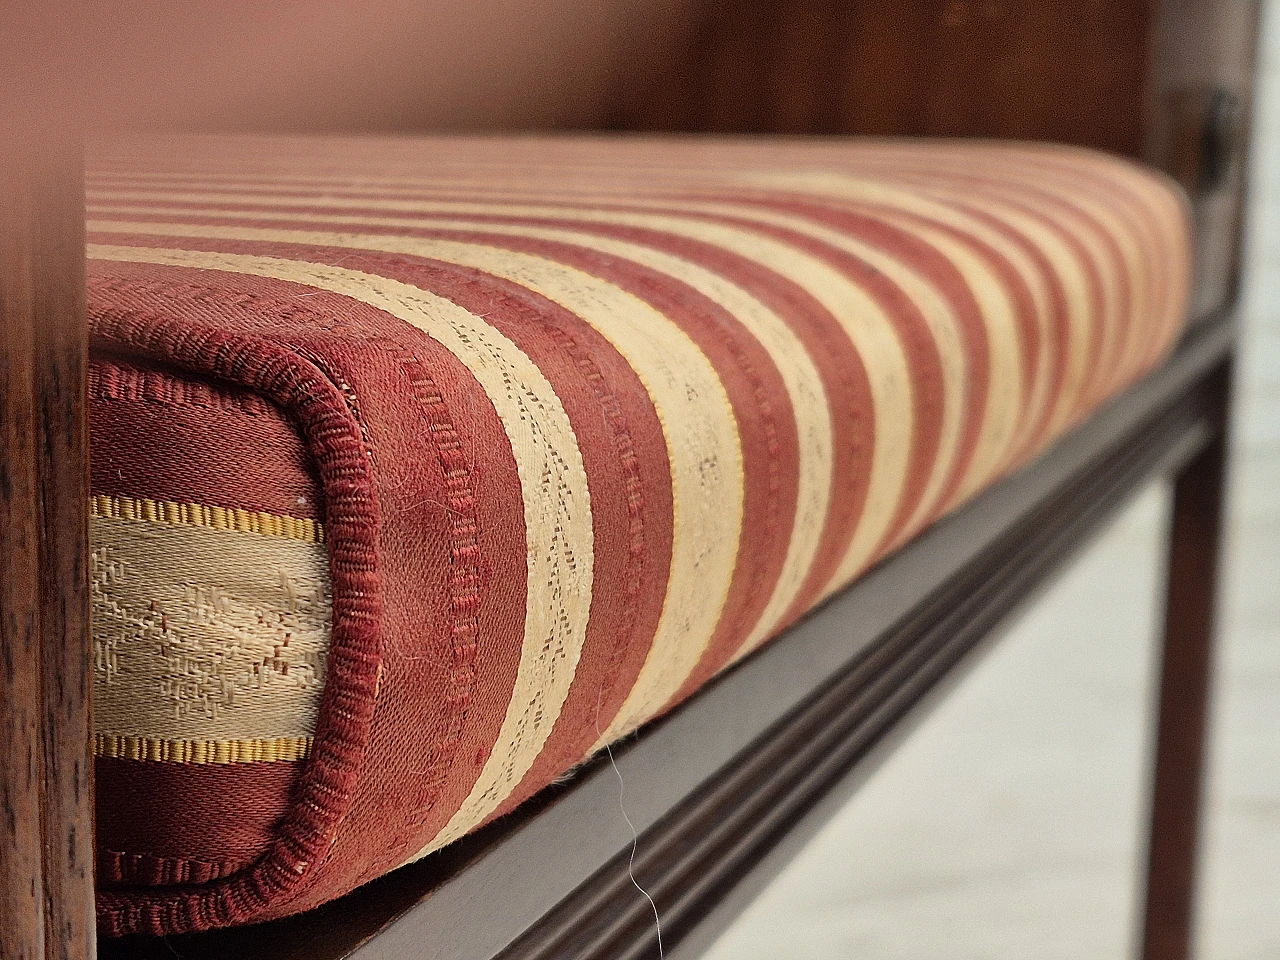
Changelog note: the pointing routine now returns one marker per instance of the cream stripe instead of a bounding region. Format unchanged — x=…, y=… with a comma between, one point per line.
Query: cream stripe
x=864, y=322
x=202, y=515
x=1157, y=201
x=1155, y=282
x=204, y=634
x=553, y=485
x=262, y=750
x=1116, y=313
x=1169, y=203
x=697, y=418
x=1006, y=403
x=1122, y=205
x=1127, y=185
x=1006, y=415
x=1114, y=210
x=517, y=189
x=1092, y=331
x=460, y=165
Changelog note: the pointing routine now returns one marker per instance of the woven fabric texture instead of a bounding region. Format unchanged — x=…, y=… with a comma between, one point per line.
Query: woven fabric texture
x=422, y=469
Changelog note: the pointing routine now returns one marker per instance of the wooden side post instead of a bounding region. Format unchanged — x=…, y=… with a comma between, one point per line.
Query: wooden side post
x=21, y=769
x=1185, y=680
x=46, y=757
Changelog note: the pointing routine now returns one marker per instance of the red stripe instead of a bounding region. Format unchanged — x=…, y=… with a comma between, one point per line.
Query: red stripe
x=766, y=425
x=844, y=374
x=925, y=364
x=621, y=442
x=1058, y=341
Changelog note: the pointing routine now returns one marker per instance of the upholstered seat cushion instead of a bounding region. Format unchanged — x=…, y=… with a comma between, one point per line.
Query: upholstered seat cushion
x=424, y=468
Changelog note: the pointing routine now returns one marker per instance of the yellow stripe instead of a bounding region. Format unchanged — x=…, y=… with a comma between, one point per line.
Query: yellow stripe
x=1006, y=404
x=1092, y=233
x=800, y=377
x=1117, y=211
x=1169, y=203
x=273, y=750
x=1130, y=186
x=1071, y=272
x=1005, y=414
x=1018, y=169
x=560, y=552
x=206, y=634
x=201, y=515
x=697, y=419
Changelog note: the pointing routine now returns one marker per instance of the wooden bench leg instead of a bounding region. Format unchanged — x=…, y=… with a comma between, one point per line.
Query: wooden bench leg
x=46, y=753
x=1185, y=678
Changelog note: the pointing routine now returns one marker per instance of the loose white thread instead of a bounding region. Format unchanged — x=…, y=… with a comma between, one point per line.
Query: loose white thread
x=635, y=838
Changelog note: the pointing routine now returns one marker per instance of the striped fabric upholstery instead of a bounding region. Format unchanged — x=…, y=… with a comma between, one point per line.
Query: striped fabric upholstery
x=422, y=469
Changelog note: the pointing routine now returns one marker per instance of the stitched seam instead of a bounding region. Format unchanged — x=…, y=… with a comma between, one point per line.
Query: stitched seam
x=425, y=391
x=629, y=463
x=110, y=382
x=465, y=562
x=444, y=438
x=465, y=572
x=149, y=869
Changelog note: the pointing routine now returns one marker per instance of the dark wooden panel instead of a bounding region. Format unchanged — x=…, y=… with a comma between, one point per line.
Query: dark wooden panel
x=715, y=786
x=998, y=68
x=1071, y=72
x=1200, y=99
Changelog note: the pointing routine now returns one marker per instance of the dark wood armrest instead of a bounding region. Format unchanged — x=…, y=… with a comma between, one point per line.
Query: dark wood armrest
x=46, y=759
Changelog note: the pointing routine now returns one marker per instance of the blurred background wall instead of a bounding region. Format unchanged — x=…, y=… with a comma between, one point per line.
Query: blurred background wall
x=1167, y=81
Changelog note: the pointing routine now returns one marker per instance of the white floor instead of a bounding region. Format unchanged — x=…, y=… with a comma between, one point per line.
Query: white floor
x=1007, y=826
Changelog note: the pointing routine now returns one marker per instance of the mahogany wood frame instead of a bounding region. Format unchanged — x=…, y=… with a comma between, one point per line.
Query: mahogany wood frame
x=723, y=790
